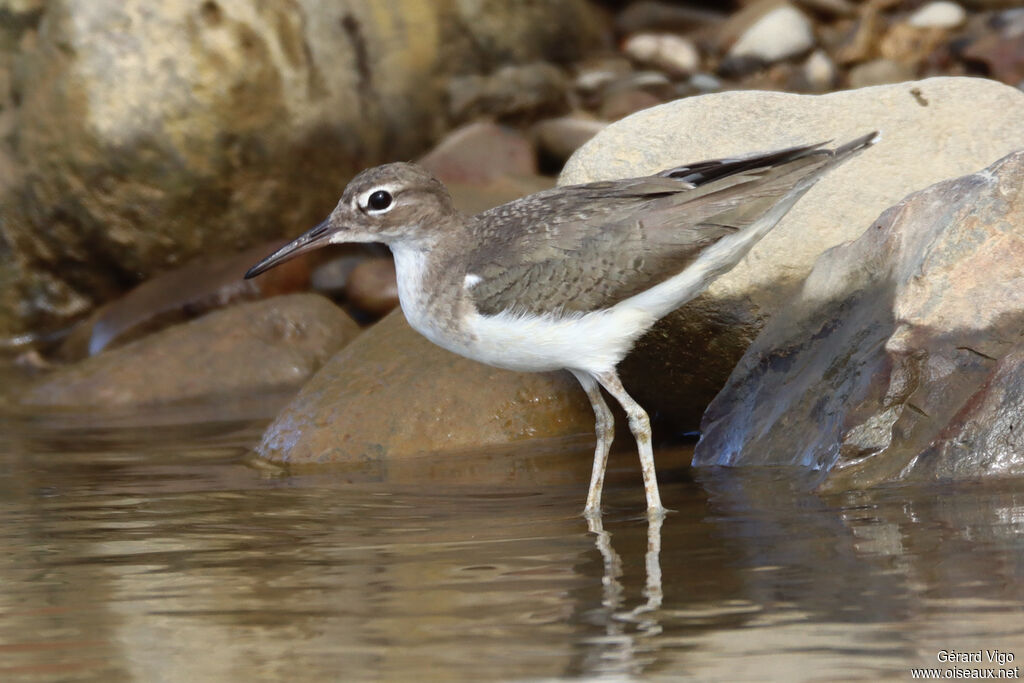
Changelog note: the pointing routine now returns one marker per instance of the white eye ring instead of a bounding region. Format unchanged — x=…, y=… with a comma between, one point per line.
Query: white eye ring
x=377, y=200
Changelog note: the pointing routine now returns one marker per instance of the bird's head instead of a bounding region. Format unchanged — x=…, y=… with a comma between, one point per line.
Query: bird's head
x=393, y=203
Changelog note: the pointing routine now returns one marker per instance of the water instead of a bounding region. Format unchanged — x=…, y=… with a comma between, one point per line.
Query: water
x=145, y=548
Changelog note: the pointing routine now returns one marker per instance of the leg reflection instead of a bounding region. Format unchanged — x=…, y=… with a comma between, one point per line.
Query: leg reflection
x=644, y=616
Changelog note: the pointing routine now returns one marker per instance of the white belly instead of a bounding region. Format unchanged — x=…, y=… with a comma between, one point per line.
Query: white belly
x=594, y=342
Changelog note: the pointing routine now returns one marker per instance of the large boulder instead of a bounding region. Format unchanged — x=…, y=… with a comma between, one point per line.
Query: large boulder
x=151, y=133
x=274, y=344
x=392, y=395
x=902, y=355
x=932, y=130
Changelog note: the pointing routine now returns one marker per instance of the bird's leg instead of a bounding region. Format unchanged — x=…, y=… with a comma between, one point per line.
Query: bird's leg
x=604, y=425
x=640, y=425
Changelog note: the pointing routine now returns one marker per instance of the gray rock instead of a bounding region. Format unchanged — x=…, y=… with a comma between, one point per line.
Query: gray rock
x=253, y=347
x=155, y=132
x=932, y=130
x=902, y=355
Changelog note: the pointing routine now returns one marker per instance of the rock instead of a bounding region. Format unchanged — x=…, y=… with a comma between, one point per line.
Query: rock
x=879, y=72
x=372, y=287
x=886, y=366
x=512, y=93
x=1002, y=51
x=782, y=33
x=258, y=346
x=625, y=102
x=671, y=53
x=941, y=14
x=680, y=366
x=182, y=294
x=153, y=133
x=705, y=83
x=911, y=45
x=479, y=153
x=648, y=15
x=559, y=138
x=820, y=71
x=392, y=395
x=472, y=198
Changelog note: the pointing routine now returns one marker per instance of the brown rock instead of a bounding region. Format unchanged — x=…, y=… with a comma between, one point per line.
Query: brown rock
x=1002, y=52
x=372, y=287
x=480, y=153
x=622, y=103
x=392, y=394
x=253, y=347
x=183, y=294
x=902, y=356
x=155, y=132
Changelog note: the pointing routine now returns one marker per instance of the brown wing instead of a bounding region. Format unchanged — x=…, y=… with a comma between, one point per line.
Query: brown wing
x=586, y=247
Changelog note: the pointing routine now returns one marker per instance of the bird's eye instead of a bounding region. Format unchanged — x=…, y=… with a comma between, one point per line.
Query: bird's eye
x=379, y=200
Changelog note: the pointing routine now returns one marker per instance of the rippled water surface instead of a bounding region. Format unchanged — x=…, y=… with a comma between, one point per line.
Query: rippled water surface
x=146, y=548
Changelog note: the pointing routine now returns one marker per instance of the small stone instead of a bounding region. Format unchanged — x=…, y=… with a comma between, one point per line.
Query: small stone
x=705, y=83
x=879, y=72
x=625, y=102
x=559, y=138
x=941, y=14
x=673, y=54
x=514, y=92
x=372, y=287
x=479, y=153
x=648, y=15
x=782, y=33
x=820, y=71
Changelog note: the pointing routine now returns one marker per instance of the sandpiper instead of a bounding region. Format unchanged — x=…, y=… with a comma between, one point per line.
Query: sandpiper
x=569, y=278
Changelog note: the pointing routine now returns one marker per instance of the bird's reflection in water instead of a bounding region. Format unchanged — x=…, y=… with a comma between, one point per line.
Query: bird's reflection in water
x=619, y=650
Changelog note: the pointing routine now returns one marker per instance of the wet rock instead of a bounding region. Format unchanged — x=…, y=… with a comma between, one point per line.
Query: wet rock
x=879, y=72
x=183, y=294
x=683, y=362
x=781, y=33
x=372, y=287
x=392, y=394
x=673, y=54
x=902, y=355
x=941, y=14
x=153, y=133
x=258, y=346
x=479, y=153
x=558, y=138
x=513, y=93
